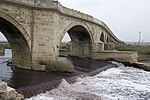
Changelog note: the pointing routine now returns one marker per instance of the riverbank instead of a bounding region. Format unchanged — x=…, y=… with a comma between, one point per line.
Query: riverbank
x=143, y=55
x=143, y=51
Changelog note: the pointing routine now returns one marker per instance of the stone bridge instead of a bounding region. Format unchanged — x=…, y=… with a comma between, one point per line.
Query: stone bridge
x=35, y=29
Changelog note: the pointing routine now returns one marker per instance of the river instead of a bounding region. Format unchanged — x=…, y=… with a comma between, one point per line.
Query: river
x=117, y=83
x=121, y=83
x=18, y=78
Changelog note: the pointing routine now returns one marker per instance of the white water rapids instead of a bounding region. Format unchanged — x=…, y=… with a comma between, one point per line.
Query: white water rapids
x=122, y=83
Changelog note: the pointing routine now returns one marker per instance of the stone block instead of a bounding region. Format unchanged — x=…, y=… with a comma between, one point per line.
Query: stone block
x=11, y=93
x=19, y=97
x=3, y=96
x=3, y=87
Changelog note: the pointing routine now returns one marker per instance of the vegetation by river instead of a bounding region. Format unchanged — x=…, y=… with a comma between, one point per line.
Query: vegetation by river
x=143, y=51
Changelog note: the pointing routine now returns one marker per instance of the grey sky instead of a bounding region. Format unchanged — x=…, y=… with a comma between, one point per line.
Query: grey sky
x=124, y=17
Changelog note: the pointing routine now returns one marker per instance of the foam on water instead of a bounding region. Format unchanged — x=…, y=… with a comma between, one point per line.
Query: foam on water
x=122, y=83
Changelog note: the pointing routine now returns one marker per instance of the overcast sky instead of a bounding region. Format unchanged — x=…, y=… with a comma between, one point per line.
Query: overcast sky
x=126, y=18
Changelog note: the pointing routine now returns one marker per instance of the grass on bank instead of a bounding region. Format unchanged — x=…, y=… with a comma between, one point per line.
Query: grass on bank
x=143, y=51
x=57, y=66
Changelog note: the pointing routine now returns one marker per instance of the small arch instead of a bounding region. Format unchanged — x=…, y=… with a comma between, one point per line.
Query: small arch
x=108, y=40
x=102, y=37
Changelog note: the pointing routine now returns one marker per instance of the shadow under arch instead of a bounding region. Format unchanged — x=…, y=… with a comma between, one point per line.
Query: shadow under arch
x=18, y=40
x=81, y=39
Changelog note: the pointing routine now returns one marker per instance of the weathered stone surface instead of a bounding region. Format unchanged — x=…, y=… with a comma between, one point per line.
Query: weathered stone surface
x=11, y=93
x=3, y=96
x=8, y=93
x=3, y=87
x=19, y=97
x=123, y=56
x=38, y=67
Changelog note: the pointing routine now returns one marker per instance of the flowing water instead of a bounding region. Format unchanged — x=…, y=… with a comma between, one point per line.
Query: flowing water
x=121, y=83
x=17, y=77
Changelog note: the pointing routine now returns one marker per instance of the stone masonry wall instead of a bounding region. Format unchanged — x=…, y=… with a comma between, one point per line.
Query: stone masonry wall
x=41, y=24
x=8, y=93
x=123, y=56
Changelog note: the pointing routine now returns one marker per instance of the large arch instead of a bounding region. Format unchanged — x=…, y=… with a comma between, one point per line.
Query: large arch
x=76, y=24
x=81, y=39
x=17, y=38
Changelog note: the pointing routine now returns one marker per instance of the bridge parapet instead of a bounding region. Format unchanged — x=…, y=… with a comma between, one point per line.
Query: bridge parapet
x=25, y=2
x=54, y=5
x=51, y=5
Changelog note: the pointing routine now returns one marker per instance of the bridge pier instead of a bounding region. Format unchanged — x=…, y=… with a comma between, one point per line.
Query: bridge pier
x=81, y=48
x=98, y=46
x=109, y=46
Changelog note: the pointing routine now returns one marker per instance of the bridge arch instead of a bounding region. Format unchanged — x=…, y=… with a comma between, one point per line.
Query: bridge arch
x=81, y=39
x=16, y=24
x=17, y=38
x=76, y=24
